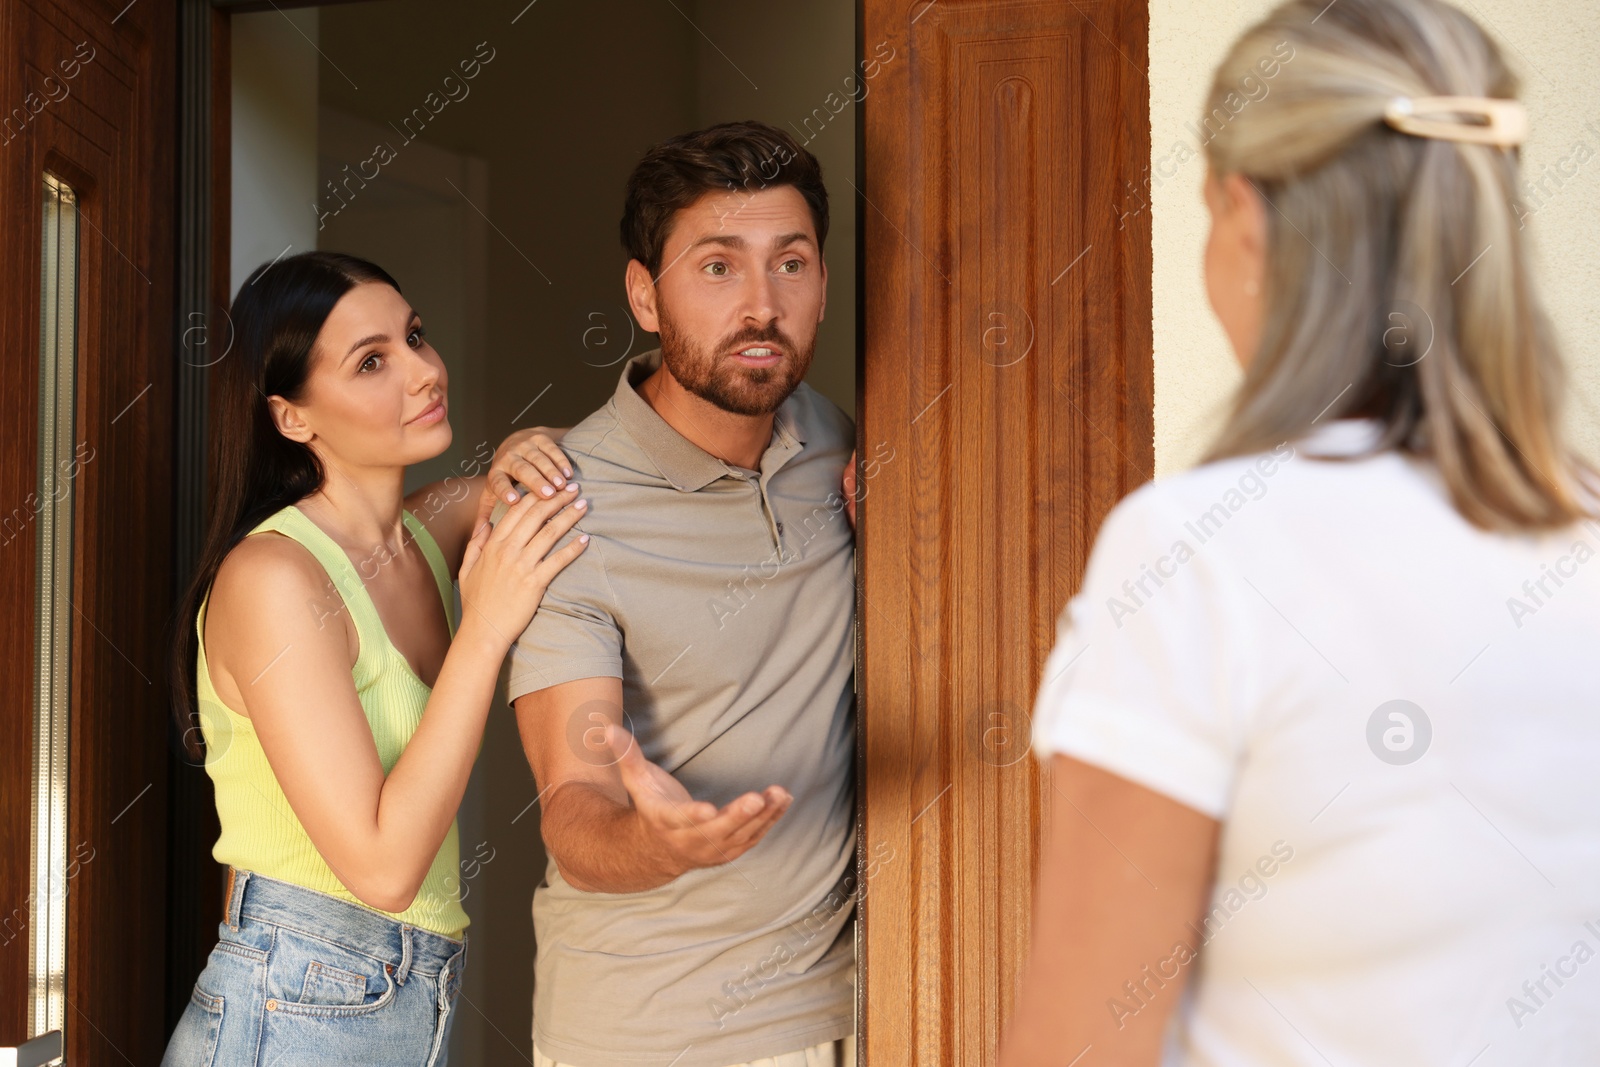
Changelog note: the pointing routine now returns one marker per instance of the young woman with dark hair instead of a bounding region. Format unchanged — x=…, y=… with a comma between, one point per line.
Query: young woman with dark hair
x=340, y=708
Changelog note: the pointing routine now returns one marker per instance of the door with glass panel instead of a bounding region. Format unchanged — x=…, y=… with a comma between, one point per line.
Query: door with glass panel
x=86, y=141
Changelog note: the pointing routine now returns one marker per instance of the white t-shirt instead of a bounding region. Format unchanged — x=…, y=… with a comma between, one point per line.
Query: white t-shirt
x=1399, y=883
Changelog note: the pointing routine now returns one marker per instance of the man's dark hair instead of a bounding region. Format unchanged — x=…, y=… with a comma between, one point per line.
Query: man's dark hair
x=743, y=157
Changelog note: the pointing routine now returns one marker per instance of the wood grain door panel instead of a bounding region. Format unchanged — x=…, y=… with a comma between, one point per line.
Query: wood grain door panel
x=106, y=130
x=1007, y=401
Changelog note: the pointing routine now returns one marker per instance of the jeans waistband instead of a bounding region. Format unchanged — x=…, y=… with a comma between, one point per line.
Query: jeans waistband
x=404, y=947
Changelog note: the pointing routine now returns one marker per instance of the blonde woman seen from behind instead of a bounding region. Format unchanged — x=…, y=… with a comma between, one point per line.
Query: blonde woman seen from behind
x=1320, y=723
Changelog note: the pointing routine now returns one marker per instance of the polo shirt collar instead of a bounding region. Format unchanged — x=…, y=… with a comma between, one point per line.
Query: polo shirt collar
x=1341, y=437
x=682, y=462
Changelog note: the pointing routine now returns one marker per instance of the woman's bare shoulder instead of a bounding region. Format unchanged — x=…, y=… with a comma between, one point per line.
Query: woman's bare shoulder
x=267, y=568
x=270, y=592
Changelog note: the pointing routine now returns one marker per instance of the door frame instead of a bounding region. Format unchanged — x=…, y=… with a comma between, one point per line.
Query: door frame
x=950, y=804
x=104, y=125
x=202, y=296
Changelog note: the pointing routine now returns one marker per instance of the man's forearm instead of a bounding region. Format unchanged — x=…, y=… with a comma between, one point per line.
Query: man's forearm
x=598, y=842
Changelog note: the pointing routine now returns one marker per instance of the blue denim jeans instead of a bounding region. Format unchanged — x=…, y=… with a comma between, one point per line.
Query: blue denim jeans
x=299, y=977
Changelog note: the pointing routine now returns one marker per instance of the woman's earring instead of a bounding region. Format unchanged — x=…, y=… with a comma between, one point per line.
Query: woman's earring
x=1252, y=287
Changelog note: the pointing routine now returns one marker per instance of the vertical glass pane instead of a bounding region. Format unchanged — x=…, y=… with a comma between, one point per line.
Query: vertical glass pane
x=58, y=321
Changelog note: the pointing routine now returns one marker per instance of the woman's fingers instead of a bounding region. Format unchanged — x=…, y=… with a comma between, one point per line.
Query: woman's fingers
x=513, y=517
x=556, y=526
x=532, y=458
x=538, y=472
x=554, y=453
x=551, y=519
x=529, y=514
x=475, y=543
x=500, y=486
x=554, y=563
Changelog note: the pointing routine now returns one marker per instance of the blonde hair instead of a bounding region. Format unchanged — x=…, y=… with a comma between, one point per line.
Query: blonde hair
x=1398, y=279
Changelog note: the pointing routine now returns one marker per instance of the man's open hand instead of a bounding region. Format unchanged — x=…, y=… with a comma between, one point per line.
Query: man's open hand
x=688, y=833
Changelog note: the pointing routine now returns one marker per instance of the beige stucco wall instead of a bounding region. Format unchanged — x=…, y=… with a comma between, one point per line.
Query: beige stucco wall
x=1551, y=45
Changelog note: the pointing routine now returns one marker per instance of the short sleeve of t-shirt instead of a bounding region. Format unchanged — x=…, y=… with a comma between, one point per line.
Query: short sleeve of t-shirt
x=1139, y=682
x=573, y=634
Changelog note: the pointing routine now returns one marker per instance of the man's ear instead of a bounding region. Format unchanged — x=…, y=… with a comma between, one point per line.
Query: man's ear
x=642, y=295
x=289, y=421
x=823, y=307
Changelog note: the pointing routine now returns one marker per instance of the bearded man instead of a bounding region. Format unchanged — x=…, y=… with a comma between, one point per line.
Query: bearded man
x=685, y=691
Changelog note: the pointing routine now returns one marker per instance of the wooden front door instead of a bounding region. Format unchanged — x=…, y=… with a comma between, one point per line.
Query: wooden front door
x=86, y=195
x=1007, y=405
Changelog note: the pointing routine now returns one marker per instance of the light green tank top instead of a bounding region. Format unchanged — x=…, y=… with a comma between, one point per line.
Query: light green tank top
x=260, y=832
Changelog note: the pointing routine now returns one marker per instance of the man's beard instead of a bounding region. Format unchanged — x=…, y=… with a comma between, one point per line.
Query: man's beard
x=719, y=379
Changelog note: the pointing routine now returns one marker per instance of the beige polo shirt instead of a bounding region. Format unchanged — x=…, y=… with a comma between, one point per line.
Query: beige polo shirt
x=724, y=599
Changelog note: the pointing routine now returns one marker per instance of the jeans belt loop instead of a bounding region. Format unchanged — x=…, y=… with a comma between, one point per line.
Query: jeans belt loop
x=405, y=955
x=234, y=902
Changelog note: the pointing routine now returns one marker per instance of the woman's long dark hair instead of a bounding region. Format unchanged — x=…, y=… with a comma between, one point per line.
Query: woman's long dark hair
x=257, y=471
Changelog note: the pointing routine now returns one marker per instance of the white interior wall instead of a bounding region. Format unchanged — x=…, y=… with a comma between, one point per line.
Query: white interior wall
x=274, y=118
x=795, y=66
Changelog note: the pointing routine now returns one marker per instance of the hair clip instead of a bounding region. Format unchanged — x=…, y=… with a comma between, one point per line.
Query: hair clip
x=1500, y=122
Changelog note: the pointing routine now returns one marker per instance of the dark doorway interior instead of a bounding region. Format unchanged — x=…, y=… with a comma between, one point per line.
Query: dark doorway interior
x=479, y=152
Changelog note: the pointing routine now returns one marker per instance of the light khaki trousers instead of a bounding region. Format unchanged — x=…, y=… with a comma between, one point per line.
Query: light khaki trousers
x=841, y=1053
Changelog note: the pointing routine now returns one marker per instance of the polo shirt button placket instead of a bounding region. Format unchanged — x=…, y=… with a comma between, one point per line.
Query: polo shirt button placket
x=773, y=524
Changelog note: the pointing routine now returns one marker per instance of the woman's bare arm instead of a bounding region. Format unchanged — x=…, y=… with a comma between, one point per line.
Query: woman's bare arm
x=274, y=624
x=1124, y=874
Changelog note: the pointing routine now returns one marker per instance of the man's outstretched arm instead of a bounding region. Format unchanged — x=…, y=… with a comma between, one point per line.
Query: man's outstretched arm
x=613, y=821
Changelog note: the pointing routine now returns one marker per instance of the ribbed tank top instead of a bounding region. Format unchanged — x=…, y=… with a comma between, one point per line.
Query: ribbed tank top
x=260, y=832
